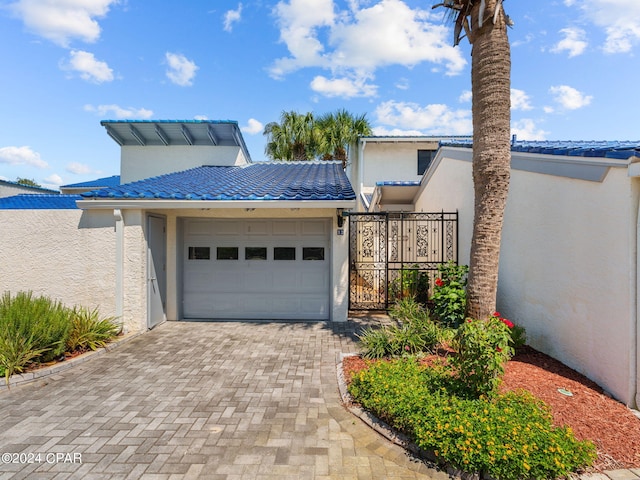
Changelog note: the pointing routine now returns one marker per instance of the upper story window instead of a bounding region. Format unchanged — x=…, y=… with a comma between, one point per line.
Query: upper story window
x=425, y=157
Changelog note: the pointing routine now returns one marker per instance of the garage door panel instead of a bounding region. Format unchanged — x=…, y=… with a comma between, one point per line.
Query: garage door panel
x=255, y=285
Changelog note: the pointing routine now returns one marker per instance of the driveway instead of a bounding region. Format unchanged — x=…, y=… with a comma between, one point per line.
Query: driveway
x=222, y=400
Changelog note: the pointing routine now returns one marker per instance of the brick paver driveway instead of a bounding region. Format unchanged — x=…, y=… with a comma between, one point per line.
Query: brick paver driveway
x=223, y=400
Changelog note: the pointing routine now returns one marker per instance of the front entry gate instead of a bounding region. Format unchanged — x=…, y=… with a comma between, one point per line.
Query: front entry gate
x=393, y=255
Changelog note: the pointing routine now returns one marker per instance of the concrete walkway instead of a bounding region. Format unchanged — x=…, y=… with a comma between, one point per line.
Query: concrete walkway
x=224, y=400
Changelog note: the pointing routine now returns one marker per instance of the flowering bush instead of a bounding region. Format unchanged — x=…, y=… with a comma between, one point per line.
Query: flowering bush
x=517, y=332
x=483, y=347
x=450, y=296
x=509, y=437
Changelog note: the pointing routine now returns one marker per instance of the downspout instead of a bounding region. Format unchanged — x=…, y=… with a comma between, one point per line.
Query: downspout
x=119, y=300
x=635, y=310
x=360, y=172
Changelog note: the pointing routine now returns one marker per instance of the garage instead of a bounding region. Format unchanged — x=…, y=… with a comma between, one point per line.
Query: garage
x=256, y=269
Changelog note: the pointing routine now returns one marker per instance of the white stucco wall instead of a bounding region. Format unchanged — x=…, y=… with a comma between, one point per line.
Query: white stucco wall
x=64, y=254
x=138, y=162
x=387, y=161
x=9, y=190
x=567, y=266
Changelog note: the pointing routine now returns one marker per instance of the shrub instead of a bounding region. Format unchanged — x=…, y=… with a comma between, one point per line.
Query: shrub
x=450, y=296
x=16, y=352
x=89, y=331
x=41, y=322
x=483, y=347
x=510, y=437
x=410, y=282
x=414, y=333
x=375, y=342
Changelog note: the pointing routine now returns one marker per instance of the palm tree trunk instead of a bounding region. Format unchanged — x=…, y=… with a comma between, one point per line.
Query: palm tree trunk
x=491, y=85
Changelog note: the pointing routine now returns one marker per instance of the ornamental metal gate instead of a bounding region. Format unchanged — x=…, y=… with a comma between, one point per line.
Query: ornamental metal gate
x=393, y=255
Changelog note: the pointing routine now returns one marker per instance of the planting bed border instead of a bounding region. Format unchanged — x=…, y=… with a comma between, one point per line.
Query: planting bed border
x=50, y=371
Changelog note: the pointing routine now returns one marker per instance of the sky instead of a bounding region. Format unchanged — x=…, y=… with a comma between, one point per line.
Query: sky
x=70, y=63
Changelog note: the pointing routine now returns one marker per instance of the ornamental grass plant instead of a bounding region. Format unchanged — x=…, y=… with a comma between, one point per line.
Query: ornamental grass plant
x=37, y=329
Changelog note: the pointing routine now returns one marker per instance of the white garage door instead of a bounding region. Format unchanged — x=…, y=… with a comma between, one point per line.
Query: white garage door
x=256, y=269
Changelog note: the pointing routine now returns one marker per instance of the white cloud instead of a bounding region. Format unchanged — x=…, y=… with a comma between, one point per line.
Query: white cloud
x=402, y=84
x=64, y=20
x=526, y=129
x=200, y=117
x=231, y=17
x=21, y=156
x=343, y=87
x=573, y=43
x=89, y=67
x=354, y=43
x=435, y=119
x=253, y=127
x=620, y=20
x=181, y=70
x=569, y=98
x=119, y=112
x=520, y=100
x=78, y=168
x=53, y=180
x=465, y=96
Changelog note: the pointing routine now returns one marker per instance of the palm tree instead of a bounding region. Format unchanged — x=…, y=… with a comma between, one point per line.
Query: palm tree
x=303, y=137
x=484, y=22
x=294, y=138
x=338, y=131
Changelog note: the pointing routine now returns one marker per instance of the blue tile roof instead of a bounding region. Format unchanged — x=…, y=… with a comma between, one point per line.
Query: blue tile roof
x=28, y=201
x=258, y=181
x=615, y=149
x=112, y=181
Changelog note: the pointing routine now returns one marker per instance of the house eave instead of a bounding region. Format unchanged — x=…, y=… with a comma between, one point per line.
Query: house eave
x=209, y=204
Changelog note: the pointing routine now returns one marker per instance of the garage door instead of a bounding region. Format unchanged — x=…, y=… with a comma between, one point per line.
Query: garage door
x=256, y=269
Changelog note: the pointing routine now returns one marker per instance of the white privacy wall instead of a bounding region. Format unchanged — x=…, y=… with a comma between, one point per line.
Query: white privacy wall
x=70, y=256
x=63, y=254
x=567, y=266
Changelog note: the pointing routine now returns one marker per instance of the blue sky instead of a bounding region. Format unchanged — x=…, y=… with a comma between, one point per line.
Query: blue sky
x=69, y=64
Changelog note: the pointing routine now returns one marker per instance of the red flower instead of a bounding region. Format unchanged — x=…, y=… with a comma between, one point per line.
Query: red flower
x=439, y=282
x=507, y=322
x=496, y=314
x=498, y=349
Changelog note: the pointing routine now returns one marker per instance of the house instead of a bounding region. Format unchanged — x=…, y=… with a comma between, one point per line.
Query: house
x=9, y=189
x=569, y=257
x=386, y=170
x=193, y=229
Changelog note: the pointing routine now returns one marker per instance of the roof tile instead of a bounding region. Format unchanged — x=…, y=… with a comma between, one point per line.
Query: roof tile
x=258, y=181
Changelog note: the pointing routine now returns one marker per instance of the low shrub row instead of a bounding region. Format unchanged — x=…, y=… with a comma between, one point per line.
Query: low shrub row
x=38, y=329
x=509, y=436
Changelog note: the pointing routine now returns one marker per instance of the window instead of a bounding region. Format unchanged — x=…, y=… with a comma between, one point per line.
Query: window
x=284, y=253
x=425, y=157
x=255, y=253
x=199, y=253
x=227, y=253
x=313, y=253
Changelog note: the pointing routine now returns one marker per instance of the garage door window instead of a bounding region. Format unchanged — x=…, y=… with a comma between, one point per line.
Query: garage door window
x=255, y=253
x=227, y=253
x=313, y=253
x=199, y=253
x=284, y=253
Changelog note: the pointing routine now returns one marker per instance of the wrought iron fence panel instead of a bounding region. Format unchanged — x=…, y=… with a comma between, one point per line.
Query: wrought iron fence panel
x=392, y=255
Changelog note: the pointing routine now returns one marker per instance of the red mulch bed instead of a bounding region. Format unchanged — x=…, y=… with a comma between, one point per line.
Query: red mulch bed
x=591, y=414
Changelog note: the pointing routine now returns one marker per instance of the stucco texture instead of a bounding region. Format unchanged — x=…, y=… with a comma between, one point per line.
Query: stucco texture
x=567, y=265
x=67, y=255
